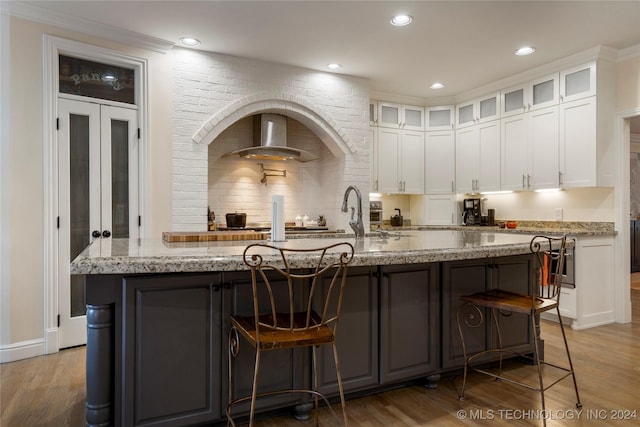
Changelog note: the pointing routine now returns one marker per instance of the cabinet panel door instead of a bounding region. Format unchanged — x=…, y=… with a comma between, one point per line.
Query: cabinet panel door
x=408, y=322
x=513, y=274
x=514, y=152
x=412, y=118
x=357, y=336
x=544, y=92
x=489, y=161
x=440, y=162
x=281, y=369
x=461, y=278
x=488, y=108
x=514, y=101
x=578, y=82
x=439, y=118
x=578, y=135
x=467, y=155
x=543, y=142
x=389, y=115
x=172, y=350
x=412, y=162
x=388, y=160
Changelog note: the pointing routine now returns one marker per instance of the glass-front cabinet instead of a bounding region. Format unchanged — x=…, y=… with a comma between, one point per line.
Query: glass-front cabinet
x=480, y=110
x=534, y=95
x=400, y=116
x=439, y=118
x=578, y=82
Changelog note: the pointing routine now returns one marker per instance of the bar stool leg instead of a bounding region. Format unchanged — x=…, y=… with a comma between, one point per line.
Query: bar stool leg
x=573, y=373
x=536, y=351
x=339, y=377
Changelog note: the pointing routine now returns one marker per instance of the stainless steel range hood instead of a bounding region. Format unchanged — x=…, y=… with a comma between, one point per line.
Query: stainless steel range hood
x=270, y=141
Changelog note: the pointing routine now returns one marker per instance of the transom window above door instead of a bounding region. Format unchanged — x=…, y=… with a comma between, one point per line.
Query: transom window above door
x=96, y=80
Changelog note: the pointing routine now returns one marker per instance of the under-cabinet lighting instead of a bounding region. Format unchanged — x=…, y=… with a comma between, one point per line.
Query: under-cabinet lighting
x=547, y=190
x=497, y=192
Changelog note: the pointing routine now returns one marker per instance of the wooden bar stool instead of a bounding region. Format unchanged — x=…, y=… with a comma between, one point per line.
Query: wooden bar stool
x=274, y=326
x=549, y=255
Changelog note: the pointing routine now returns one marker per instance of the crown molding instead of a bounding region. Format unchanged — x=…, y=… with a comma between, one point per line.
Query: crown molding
x=628, y=53
x=31, y=12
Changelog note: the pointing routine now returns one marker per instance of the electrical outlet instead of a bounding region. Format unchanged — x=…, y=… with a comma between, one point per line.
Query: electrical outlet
x=558, y=214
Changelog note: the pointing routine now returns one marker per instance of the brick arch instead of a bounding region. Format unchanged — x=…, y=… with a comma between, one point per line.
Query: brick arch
x=296, y=107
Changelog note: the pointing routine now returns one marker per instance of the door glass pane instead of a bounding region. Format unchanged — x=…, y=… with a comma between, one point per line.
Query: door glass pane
x=78, y=203
x=389, y=115
x=543, y=92
x=465, y=114
x=120, y=178
x=488, y=107
x=440, y=118
x=577, y=82
x=513, y=100
x=96, y=80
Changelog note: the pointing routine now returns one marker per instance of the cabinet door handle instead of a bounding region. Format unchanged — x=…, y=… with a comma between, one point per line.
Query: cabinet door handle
x=452, y=189
x=559, y=178
x=528, y=181
x=375, y=184
x=523, y=181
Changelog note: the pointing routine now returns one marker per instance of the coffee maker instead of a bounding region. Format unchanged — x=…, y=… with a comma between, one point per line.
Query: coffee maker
x=471, y=212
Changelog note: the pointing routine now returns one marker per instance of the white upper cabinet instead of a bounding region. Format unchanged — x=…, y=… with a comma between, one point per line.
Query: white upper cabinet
x=530, y=150
x=399, y=162
x=399, y=116
x=534, y=95
x=480, y=110
x=439, y=118
x=578, y=144
x=478, y=158
x=578, y=82
x=440, y=162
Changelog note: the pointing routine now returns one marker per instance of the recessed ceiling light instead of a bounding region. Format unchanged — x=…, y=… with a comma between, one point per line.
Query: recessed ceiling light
x=525, y=50
x=400, y=20
x=190, y=41
x=334, y=66
x=437, y=85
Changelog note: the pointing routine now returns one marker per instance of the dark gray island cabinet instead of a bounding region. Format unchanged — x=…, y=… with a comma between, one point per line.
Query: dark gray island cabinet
x=157, y=343
x=158, y=321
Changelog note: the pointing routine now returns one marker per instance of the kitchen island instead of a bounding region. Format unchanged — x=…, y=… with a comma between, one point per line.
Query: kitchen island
x=157, y=319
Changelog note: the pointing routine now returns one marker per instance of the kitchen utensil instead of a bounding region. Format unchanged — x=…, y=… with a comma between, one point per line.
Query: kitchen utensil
x=396, y=220
x=236, y=220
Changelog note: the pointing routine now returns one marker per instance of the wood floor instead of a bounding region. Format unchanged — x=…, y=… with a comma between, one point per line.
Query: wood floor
x=49, y=391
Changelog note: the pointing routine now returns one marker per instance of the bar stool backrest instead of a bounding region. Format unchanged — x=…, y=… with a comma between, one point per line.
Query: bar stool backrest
x=550, y=257
x=308, y=307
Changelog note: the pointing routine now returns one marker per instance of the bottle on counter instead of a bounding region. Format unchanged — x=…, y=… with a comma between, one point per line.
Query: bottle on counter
x=211, y=219
x=298, y=221
x=305, y=220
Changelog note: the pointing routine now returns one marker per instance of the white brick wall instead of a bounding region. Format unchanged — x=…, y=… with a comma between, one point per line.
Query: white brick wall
x=212, y=95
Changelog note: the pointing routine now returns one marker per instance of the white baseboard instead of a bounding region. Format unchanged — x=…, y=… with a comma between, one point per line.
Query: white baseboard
x=51, y=344
x=21, y=350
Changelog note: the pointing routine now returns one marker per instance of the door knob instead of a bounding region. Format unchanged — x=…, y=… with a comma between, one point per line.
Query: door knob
x=106, y=233
x=95, y=233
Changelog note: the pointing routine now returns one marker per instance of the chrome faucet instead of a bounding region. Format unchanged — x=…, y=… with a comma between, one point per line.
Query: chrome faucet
x=357, y=225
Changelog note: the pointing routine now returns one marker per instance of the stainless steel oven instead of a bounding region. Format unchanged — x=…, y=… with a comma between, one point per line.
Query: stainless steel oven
x=569, y=269
x=375, y=212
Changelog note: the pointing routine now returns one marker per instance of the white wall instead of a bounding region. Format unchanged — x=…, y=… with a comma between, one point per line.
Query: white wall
x=22, y=282
x=213, y=91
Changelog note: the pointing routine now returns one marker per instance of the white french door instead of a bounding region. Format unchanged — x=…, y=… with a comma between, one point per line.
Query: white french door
x=97, y=196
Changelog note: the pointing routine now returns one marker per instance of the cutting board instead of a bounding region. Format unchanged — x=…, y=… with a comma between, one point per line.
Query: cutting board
x=207, y=236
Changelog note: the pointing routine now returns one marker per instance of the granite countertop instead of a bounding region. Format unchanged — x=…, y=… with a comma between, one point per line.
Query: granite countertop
x=132, y=256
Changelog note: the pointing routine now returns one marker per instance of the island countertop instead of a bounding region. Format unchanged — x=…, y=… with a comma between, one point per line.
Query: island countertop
x=136, y=256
